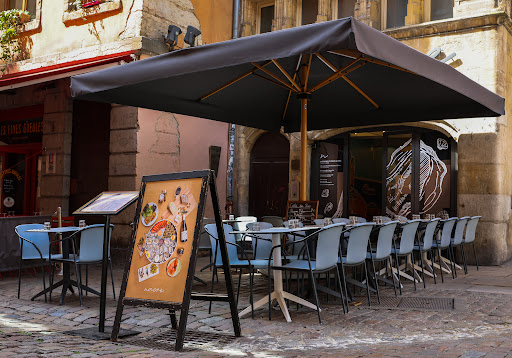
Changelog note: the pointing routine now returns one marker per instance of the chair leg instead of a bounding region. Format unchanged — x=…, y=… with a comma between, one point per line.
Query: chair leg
x=422, y=269
x=397, y=263
x=50, y=274
x=367, y=284
x=79, y=283
x=19, y=277
x=112, y=278
x=440, y=267
x=269, y=292
x=251, y=283
x=388, y=263
x=238, y=289
x=344, y=283
x=452, y=262
x=432, y=258
x=413, y=271
x=464, y=259
x=474, y=251
x=44, y=281
x=341, y=290
x=312, y=277
x=375, y=281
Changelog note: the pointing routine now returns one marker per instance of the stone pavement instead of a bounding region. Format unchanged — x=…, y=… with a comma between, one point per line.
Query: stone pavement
x=478, y=326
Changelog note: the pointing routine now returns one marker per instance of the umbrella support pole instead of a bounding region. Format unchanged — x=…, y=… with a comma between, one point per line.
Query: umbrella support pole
x=303, y=147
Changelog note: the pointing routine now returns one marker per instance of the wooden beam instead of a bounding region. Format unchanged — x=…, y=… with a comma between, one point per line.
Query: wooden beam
x=292, y=81
x=233, y=81
x=340, y=73
x=285, y=86
x=273, y=76
x=333, y=68
x=290, y=92
x=307, y=73
x=360, y=55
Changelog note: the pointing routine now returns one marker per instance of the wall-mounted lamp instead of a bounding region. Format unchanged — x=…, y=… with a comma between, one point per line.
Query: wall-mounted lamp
x=190, y=36
x=172, y=36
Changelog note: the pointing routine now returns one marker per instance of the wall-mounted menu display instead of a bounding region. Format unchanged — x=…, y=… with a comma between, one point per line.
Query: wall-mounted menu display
x=304, y=211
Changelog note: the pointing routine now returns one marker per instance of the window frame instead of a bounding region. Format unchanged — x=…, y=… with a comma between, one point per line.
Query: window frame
x=85, y=14
x=32, y=24
x=259, y=6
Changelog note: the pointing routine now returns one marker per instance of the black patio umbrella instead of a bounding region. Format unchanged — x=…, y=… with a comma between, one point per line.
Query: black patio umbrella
x=326, y=75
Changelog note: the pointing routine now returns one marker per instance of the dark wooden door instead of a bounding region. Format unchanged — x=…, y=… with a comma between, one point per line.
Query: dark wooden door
x=268, y=178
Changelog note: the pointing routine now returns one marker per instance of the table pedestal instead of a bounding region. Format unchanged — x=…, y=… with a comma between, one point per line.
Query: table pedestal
x=278, y=294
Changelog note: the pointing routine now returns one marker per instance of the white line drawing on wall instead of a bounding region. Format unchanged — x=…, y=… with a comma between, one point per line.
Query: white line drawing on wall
x=432, y=170
x=442, y=144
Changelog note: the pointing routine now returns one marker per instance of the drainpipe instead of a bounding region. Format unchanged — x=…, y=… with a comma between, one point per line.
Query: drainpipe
x=236, y=18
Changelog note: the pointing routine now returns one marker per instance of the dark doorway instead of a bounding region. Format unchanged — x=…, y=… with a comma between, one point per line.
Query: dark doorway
x=268, y=178
x=90, y=152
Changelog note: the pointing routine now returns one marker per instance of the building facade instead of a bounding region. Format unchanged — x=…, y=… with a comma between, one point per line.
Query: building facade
x=463, y=164
x=56, y=151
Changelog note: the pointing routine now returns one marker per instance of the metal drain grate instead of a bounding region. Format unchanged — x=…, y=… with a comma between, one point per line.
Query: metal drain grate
x=194, y=340
x=427, y=303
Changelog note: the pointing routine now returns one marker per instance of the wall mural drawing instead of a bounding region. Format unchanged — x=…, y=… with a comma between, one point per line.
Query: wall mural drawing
x=398, y=181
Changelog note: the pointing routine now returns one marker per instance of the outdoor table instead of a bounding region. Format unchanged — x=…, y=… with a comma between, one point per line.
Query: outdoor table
x=279, y=294
x=66, y=282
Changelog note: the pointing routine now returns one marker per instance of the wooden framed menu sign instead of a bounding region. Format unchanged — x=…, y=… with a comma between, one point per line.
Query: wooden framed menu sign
x=165, y=238
x=305, y=211
x=108, y=203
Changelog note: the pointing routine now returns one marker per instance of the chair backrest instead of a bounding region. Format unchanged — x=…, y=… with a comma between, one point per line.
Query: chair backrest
x=471, y=229
x=341, y=220
x=409, y=231
x=459, y=230
x=386, y=219
x=261, y=248
x=299, y=235
x=360, y=220
x=241, y=225
x=65, y=220
x=327, y=248
x=40, y=239
x=385, y=240
x=446, y=233
x=211, y=229
x=358, y=243
x=319, y=222
x=428, y=236
x=91, y=243
x=276, y=221
x=204, y=238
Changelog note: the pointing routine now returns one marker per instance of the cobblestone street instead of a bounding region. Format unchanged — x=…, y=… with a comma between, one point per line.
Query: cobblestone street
x=477, y=325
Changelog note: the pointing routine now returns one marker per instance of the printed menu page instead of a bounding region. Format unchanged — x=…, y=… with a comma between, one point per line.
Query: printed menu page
x=163, y=244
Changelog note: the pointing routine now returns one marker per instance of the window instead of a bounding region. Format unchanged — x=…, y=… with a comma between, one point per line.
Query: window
x=345, y=8
x=29, y=5
x=309, y=11
x=265, y=17
x=441, y=9
x=90, y=8
x=395, y=13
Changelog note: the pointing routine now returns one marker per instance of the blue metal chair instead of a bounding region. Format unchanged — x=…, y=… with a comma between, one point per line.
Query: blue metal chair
x=444, y=243
x=33, y=246
x=241, y=225
x=234, y=261
x=457, y=240
x=357, y=247
x=405, y=248
x=469, y=238
x=382, y=253
x=90, y=252
x=276, y=221
x=425, y=245
x=327, y=247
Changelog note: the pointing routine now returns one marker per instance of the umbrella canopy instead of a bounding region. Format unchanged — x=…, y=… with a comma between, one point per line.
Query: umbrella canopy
x=325, y=75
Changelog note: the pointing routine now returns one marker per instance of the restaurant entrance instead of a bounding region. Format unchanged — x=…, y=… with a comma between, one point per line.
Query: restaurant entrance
x=391, y=172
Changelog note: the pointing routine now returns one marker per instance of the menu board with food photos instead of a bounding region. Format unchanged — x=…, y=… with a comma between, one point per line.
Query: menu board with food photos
x=165, y=238
x=304, y=211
